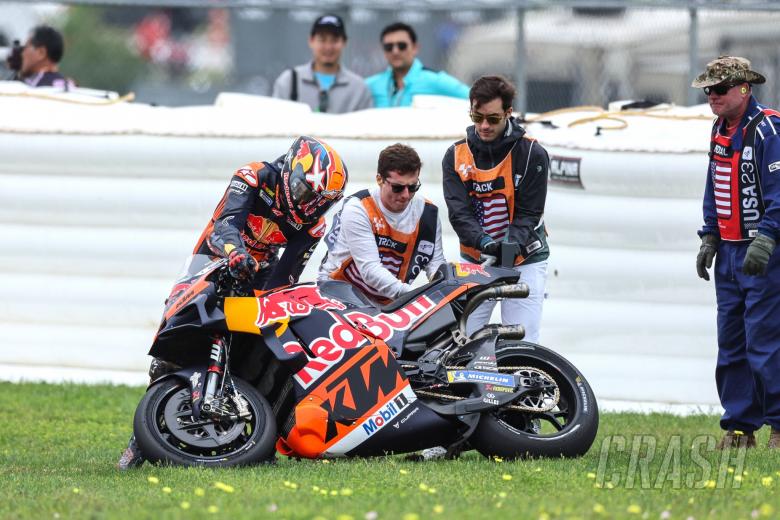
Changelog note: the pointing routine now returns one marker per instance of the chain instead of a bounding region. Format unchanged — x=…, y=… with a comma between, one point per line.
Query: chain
x=530, y=403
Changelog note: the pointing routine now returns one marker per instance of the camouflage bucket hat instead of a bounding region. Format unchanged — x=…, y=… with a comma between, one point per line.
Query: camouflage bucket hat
x=731, y=69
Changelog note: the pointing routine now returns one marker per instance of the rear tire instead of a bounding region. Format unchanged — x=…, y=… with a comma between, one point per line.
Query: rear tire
x=573, y=422
x=166, y=431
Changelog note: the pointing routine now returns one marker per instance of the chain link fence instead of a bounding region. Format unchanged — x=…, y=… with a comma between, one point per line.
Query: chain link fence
x=569, y=56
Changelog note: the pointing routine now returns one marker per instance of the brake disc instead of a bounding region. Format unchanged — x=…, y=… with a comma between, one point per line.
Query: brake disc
x=204, y=433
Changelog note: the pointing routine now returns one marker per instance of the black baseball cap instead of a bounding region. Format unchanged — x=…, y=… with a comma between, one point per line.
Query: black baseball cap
x=331, y=23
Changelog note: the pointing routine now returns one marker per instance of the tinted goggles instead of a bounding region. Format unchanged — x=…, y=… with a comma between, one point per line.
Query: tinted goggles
x=492, y=119
x=720, y=90
x=399, y=188
x=388, y=47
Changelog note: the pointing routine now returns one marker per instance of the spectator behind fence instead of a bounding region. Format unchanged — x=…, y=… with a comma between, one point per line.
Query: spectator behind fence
x=323, y=83
x=36, y=62
x=406, y=76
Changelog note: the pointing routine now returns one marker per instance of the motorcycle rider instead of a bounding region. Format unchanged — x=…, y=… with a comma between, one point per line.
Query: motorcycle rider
x=384, y=237
x=268, y=206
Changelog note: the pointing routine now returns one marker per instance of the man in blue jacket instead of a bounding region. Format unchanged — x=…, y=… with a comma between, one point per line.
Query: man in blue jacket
x=406, y=76
x=741, y=228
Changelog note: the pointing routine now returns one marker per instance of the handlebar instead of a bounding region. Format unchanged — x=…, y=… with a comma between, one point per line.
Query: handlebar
x=507, y=253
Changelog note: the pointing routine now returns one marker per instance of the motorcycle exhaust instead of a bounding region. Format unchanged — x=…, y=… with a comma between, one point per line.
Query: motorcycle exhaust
x=503, y=331
x=519, y=290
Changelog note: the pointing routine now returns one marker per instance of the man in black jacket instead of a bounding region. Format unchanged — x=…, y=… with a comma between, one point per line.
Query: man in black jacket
x=37, y=62
x=495, y=186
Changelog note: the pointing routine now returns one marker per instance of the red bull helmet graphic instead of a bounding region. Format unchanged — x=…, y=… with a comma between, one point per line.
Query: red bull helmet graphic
x=313, y=178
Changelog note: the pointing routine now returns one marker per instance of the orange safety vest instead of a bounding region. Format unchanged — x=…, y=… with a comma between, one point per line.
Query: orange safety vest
x=403, y=254
x=492, y=195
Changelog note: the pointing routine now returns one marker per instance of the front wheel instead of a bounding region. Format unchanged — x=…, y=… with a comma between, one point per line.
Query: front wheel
x=166, y=431
x=559, y=421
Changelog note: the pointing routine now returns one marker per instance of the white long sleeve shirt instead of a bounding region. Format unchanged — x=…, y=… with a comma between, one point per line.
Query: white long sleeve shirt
x=356, y=239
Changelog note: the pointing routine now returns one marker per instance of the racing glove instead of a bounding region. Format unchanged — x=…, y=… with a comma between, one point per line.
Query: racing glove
x=489, y=246
x=757, y=255
x=709, y=246
x=241, y=264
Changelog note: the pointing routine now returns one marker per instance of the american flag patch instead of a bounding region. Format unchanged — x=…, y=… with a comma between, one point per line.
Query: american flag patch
x=722, y=188
x=493, y=214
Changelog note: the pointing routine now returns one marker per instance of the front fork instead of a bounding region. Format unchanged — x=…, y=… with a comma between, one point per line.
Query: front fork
x=214, y=376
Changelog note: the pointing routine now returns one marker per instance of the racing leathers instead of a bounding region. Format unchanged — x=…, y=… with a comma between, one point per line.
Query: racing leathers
x=381, y=252
x=248, y=216
x=496, y=191
x=742, y=202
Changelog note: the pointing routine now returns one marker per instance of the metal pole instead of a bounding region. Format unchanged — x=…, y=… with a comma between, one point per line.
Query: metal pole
x=693, y=55
x=521, y=103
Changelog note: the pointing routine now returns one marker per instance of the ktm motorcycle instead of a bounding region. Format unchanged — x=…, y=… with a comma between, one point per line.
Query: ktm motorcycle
x=320, y=371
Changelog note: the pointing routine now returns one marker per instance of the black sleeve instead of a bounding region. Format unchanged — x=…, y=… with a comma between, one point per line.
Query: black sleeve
x=230, y=216
x=294, y=259
x=461, y=213
x=530, y=193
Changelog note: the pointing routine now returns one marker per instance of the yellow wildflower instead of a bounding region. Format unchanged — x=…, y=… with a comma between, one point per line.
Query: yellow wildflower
x=634, y=509
x=227, y=488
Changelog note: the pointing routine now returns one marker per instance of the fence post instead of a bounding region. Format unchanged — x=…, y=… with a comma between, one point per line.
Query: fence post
x=693, y=55
x=521, y=103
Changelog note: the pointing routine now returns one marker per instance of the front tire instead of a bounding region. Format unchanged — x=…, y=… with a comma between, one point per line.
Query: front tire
x=166, y=431
x=567, y=430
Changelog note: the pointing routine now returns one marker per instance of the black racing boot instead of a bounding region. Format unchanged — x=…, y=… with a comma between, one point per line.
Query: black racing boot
x=131, y=457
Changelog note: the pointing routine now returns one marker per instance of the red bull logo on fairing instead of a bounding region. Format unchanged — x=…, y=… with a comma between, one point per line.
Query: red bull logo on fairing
x=297, y=301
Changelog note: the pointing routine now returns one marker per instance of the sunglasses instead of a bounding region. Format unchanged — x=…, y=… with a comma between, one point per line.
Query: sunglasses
x=720, y=90
x=388, y=47
x=493, y=119
x=399, y=188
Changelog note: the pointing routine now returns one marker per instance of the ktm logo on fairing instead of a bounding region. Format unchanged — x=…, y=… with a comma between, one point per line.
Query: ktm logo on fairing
x=298, y=301
x=352, y=394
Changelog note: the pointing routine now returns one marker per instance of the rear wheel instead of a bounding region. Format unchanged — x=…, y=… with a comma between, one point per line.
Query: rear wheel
x=560, y=420
x=167, y=432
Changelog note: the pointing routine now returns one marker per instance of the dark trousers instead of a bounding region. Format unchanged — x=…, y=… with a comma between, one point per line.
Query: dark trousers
x=748, y=368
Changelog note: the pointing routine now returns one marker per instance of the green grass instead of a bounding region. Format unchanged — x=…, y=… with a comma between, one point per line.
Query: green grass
x=59, y=444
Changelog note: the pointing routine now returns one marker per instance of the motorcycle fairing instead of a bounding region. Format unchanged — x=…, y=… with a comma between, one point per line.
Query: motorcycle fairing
x=363, y=393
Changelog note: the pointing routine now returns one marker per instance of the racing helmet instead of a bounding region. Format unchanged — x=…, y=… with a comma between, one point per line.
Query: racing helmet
x=313, y=178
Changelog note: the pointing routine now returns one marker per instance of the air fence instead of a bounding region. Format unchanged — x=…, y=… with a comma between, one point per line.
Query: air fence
x=101, y=204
